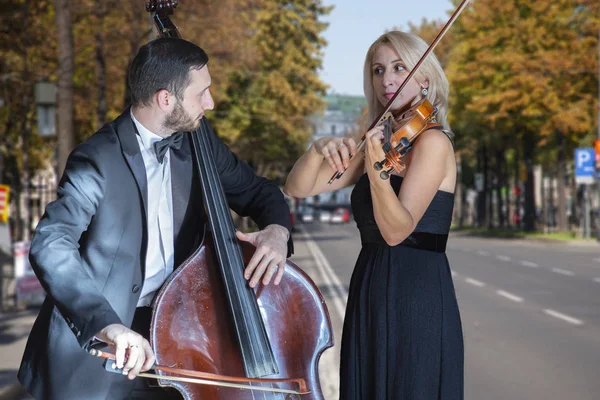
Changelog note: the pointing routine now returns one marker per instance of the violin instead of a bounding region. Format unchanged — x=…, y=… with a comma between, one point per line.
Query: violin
x=406, y=123
x=410, y=121
x=214, y=337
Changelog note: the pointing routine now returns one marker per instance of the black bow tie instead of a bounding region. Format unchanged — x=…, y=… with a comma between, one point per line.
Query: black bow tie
x=161, y=147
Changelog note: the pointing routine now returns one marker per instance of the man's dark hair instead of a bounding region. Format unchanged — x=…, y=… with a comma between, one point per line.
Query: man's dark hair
x=163, y=63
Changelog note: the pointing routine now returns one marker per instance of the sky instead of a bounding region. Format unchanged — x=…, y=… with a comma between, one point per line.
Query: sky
x=355, y=24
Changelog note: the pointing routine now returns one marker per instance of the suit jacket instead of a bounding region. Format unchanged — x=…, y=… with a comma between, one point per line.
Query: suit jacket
x=88, y=250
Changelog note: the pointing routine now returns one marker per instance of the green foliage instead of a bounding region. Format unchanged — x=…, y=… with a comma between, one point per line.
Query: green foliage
x=264, y=115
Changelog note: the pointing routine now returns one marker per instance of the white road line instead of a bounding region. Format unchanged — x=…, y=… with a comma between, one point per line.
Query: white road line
x=475, y=282
x=564, y=317
x=482, y=253
x=562, y=271
x=509, y=296
x=597, y=280
x=328, y=275
x=529, y=264
x=455, y=274
x=597, y=259
x=503, y=258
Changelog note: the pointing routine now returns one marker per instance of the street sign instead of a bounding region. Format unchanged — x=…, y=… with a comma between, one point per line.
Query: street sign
x=584, y=165
x=479, y=181
x=597, y=161
x=4, y=202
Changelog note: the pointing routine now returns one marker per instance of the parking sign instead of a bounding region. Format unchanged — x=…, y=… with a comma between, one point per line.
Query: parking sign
x=584, y=165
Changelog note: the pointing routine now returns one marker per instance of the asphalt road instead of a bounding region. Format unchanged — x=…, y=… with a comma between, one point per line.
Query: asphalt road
x=530, y=310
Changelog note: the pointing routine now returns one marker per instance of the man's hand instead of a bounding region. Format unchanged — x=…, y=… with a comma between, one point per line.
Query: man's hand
x=270, y=254
x=131, y=349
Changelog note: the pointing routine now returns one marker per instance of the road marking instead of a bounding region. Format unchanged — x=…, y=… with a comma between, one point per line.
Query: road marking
x=455, y=274
x=509, y=296
x=482, y=253
x=503, y=258
x=529, y=264
x=474, y=282
x=597, y=280
x=328, y=275
x=562, y=271
x=564, y=317
x=597, y=259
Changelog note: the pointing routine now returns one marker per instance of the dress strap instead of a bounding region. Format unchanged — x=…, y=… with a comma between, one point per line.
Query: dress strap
x=449, y=135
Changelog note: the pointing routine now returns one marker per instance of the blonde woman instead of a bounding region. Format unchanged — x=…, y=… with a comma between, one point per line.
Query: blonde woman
x=402, y=335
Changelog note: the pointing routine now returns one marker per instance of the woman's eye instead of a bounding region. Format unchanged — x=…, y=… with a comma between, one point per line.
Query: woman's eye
x=399, y=67
x=378, y=71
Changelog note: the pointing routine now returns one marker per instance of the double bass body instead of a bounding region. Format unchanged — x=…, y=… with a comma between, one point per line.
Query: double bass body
x=196, y=332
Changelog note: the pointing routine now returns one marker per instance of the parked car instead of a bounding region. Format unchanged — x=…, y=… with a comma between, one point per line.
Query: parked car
x=340, y=215
x=306, y=214
x=324, y=216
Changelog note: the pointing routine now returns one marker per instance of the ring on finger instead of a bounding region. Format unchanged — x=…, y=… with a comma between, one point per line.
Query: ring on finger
x=340, y=144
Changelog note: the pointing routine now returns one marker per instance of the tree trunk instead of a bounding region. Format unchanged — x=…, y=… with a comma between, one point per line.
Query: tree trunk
x=499, y=184
x=561, y=172
x=481, y=196
x=66, y=131
x=517, y=166
x=101, y=107
x=487, y=185
x=460, y=198
x=528, y=153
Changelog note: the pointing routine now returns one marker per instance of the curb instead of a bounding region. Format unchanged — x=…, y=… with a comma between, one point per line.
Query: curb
x=573, y=242
x=13, y=392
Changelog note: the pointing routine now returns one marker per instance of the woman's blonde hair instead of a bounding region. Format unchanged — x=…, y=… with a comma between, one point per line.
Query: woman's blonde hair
x=410, y=48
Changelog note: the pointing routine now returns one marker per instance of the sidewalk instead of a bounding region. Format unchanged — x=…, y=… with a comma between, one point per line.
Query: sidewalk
x=14, y=330
x=16, y=325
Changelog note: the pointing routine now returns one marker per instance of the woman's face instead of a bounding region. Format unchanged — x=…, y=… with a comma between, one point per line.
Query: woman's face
x=388, y=73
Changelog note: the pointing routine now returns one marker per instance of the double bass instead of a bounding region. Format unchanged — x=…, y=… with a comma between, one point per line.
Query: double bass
x=214, y=337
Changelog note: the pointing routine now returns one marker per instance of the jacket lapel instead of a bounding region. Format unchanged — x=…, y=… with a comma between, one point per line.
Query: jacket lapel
x=131, y=151
x=181, y=182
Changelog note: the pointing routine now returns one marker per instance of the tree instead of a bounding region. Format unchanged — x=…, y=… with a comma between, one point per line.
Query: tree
x=516, y=68
x=26, y=57
x=267, y=105
x=65, y=107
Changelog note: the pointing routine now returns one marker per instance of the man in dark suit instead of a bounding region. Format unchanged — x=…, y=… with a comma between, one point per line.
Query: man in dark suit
x=129, y=210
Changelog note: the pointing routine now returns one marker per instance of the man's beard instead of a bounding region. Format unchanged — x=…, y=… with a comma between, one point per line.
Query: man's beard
x=180, y=121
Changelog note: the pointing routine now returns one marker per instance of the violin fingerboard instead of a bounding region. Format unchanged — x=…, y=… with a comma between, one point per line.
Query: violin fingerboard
x=387, y=130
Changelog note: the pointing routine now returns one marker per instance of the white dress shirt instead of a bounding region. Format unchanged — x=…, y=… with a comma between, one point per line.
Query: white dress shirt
x=159, y=253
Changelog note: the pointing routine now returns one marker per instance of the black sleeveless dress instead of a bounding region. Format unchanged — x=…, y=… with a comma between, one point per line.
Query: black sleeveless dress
x=402, y=336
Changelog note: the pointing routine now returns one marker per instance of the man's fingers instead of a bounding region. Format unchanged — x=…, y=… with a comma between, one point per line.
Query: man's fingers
x=246, y=237
x=271, y=269
x=256, y=258
x=150, y=357
x=259, y=271
x=133, y=353
x=139, y=362
x=280, y=272
x=120, y=353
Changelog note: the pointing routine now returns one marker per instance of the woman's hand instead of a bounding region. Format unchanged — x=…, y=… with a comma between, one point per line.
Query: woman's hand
x=337, y=151
x=374, y=152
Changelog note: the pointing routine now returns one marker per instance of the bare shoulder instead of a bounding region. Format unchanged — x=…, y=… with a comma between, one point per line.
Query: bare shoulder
x=433, y=141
